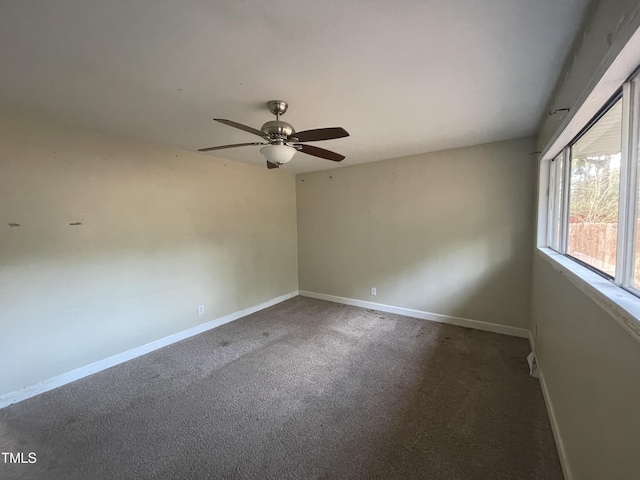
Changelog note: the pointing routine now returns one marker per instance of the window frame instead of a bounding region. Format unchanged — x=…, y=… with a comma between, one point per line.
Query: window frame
x=557, y=172
x=568, y=158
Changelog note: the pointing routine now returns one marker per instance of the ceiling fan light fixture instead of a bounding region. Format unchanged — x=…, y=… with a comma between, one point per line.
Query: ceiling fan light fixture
x=278, y=154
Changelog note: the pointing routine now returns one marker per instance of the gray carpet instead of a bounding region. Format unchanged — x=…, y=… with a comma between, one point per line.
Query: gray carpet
x=304, y=389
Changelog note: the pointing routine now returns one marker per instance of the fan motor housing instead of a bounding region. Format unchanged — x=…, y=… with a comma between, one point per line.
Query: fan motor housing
x=278, y=128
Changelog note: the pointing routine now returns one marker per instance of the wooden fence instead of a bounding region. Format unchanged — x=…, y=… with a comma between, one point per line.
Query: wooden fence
x=595, y=244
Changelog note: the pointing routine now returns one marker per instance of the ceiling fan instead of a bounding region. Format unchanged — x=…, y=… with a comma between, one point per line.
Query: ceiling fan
x=282, y=141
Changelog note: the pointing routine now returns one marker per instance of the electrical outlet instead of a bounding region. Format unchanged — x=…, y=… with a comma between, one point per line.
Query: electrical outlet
x=201, y=310
x=535, y=330
x=374, y=291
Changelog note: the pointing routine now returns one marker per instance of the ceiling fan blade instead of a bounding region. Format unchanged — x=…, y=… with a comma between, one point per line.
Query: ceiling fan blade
x=320, y=134
x=320, y=152
x=231, y=123
x=271, y=165
x=230, y=146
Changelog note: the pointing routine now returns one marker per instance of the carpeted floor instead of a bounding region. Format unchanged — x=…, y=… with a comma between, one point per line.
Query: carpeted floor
x=304, y=389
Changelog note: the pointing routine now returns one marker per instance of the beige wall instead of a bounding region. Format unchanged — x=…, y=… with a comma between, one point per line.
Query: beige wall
x=449, y=232
x=162, y=232
x=591, y=367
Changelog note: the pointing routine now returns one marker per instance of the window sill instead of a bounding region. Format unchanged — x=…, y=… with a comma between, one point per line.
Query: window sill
x=621, y=305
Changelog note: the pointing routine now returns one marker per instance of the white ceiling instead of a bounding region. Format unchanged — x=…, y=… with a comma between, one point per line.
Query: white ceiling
x=403, y=77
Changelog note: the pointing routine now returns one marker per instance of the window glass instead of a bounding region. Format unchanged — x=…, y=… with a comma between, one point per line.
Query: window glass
x=594, y=192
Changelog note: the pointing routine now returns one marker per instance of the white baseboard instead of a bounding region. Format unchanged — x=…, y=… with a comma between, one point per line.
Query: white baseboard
x=564, y=463
x=433, y=317
x=68, y=377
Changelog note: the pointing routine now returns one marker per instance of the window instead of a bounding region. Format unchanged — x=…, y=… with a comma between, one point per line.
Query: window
x=594, y=192
x=593, y=201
